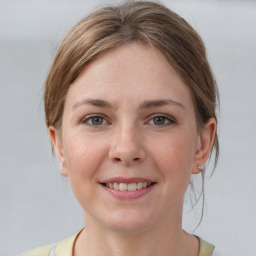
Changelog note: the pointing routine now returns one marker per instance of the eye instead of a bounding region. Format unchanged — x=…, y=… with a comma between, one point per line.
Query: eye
x=162, y=120
x=94, y=120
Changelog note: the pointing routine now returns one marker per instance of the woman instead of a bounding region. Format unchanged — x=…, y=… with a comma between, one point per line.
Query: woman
x=130, y=108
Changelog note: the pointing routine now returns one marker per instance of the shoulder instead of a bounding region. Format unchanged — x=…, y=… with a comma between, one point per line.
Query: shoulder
x=40, y=251
x=206, y=249
x=63, y=247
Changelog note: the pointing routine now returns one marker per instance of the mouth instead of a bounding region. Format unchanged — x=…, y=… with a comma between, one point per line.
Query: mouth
x=124, y=188
x=129, y=186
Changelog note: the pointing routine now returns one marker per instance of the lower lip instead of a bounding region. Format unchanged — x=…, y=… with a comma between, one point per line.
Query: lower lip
x=128, y=195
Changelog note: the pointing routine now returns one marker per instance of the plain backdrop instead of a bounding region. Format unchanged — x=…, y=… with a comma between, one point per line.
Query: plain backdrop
x=37, y=205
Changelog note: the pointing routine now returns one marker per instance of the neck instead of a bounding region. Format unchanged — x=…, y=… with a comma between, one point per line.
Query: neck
x=165, y=238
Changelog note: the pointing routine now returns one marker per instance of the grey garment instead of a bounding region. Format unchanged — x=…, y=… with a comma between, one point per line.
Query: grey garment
x=52, y=251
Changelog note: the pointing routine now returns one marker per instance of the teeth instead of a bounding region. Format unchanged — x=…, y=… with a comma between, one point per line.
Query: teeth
x=132, y=186
x=123, y=186
x=128, y=186
x=139, y=185
x=116, y=186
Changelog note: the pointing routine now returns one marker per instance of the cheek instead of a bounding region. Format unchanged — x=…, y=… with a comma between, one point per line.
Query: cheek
x=84, y=156
x=81, y=151
x=175, y=157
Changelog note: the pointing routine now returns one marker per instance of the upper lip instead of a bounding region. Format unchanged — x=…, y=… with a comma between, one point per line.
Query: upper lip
x=126, y=180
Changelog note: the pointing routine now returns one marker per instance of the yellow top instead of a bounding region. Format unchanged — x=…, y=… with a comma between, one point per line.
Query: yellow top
x=206, y=249
x=61, y=248
x=65, y=248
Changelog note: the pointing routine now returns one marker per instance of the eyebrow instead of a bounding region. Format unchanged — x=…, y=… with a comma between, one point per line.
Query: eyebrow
x=95, y=102
x=159, y=103
x=146, y=104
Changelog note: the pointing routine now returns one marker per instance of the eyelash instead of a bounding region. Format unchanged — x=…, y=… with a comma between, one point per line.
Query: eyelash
x=165, y=117
x=88, y=118
x=170, y=120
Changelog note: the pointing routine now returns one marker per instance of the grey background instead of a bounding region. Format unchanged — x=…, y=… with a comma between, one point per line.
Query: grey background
x=37, y=205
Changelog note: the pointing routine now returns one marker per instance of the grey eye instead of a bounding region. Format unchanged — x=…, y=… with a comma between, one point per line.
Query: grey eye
x=160, y=120
x=97, y=120
x=94, y=120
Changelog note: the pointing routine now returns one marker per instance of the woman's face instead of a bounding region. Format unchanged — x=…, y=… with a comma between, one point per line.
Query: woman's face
x=129, y=140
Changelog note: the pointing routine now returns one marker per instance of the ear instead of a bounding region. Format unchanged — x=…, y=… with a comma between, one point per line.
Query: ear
x=57, y=143
x=204, y=144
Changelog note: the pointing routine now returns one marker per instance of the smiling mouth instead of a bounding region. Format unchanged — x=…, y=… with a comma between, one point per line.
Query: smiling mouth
x=128, y=186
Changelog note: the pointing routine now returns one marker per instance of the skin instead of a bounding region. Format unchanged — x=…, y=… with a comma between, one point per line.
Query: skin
x=128, y=140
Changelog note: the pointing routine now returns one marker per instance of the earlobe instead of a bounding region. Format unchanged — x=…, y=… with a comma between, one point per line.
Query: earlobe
x=204, y=145
x=197, y=169
x=57, y=144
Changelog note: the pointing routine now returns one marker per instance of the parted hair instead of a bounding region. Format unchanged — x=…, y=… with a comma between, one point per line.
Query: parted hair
x=145, y=22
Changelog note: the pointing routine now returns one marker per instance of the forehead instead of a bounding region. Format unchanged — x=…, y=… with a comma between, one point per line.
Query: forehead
x=128, y=73
x=134, y=59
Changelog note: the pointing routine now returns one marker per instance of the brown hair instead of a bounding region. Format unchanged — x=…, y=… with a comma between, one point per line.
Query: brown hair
x=145, y=22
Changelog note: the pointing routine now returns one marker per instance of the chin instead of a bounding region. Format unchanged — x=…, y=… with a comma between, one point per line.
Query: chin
x=128, y=223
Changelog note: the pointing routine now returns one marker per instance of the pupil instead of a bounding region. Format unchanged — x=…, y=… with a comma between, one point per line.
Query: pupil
x=97, y=120
x=159, y=120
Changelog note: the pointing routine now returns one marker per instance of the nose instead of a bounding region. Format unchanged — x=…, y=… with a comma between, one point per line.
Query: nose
x=127, y=147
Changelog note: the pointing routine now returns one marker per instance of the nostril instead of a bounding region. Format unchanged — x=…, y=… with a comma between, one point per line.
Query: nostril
x=118, y=160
